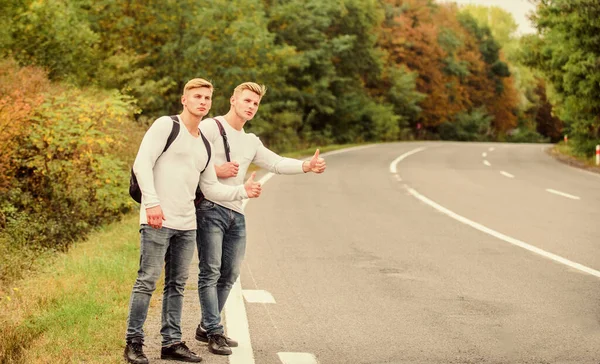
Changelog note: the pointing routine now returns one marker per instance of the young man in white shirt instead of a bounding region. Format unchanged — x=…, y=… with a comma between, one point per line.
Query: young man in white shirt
x=168, y=180
x=221, y=230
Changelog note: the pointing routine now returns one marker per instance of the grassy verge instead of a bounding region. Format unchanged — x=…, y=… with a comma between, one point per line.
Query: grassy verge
x=74, y=308
x=565, y=154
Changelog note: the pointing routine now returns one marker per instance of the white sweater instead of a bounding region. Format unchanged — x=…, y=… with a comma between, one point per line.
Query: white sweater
x=245, y=149
x=170, y=179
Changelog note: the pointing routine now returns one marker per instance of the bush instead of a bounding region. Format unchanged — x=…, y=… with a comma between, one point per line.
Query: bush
x=467, y=126
x=67, y=172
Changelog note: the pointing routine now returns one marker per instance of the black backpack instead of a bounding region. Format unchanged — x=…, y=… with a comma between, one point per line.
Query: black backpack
x=134, y=187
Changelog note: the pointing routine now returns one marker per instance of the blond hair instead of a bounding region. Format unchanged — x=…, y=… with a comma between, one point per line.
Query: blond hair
x=260, y=90
x=197, y=83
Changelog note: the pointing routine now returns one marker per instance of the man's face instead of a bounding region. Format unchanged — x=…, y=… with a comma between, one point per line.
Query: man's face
x=198, y=101
x=245, y=104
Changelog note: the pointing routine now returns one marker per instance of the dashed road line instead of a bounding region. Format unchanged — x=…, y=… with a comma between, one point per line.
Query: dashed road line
x=506, y=174
x=257, y=296
x=487, y=163
x=297, y=358
x=563, y=194
x=236, y=319
x=485, y=229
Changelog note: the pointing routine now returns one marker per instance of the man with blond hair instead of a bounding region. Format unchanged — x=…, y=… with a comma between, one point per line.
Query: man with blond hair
x=221, y=234
x=168, y=176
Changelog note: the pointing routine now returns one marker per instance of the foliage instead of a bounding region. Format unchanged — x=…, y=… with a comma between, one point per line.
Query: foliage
x=566, y=54
x=65, y=174
x=473, y=126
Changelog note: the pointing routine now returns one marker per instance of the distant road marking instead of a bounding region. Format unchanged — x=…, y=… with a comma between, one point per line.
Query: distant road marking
x=562, y=194
x=236, y=319
x=257, y=296
x=506, y=238
x=484, y=154
x=297, y=358
x=395, y=161
x=491, y=149
x=487, y=163
x=506, y=174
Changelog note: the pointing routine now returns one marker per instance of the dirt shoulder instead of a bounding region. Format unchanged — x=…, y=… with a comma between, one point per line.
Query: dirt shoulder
x=571, y=161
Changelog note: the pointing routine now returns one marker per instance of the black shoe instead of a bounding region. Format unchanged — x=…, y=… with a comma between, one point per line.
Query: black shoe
x=134, y=352
x=217, y=344
x=179, y=352
x=201, y=335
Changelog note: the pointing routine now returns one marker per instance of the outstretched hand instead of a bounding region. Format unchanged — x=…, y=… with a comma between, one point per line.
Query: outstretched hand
x=252, y=188
x=316, y=163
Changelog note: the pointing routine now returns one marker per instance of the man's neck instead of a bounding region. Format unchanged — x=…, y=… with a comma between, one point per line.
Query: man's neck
x=234, y=120
x=190, y=121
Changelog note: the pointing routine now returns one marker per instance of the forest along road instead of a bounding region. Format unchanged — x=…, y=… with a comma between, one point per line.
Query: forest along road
x=424, y=253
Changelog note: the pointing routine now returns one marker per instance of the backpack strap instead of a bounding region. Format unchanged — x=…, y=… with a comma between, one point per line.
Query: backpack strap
x=174, y=132
x=225, y=141
x=208, y=150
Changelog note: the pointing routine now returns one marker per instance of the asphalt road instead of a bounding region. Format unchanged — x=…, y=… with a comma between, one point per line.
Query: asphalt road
x=457, y=253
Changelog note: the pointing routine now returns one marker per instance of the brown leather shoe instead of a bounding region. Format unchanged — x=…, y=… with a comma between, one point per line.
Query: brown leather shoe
x=217, y=344
x=202, y=335
x=179, y=352
x=134, y=353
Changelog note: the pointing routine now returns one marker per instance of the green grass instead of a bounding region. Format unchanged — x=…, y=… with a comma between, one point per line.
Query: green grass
x=75, y=309
x=565, y=153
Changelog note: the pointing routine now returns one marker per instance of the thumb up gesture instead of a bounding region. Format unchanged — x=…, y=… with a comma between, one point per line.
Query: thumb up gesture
x=316, y=164
x=252, y=188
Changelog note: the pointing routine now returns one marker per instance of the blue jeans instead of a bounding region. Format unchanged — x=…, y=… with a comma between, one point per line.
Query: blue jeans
x=221, y=240
x=174, y=248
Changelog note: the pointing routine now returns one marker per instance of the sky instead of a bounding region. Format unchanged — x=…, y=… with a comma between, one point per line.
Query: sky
x=518, y=8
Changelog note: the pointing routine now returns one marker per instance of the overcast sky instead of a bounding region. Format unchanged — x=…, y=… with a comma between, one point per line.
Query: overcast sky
x=518, y=8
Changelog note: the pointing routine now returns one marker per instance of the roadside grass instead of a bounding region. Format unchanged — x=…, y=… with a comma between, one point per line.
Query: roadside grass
x=74, y=307
x=564, y=153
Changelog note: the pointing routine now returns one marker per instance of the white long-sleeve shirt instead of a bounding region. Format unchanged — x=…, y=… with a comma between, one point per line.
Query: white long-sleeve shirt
x=245, y=148
x=170, y=179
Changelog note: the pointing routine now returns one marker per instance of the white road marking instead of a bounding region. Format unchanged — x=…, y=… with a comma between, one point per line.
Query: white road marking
x=236, y=319
x=487, y=163
x=562, y=194
x=257, y=296
x=393, y=164
x=491, y=149
x=482, y=228
x=398, y=178
x=506, y=174
x=484, y=154
x=506, y=238
x=297, y=358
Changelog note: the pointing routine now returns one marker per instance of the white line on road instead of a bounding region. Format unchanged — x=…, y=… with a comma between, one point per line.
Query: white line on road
x=393, y=164
x=562, y=194
x=258, y=296
x=236, y=319
x=297, y=358
x=482, y=228
x=506, y=238
x=506, y=174
x=487, y=163
x=484, y=154
x=491, y=149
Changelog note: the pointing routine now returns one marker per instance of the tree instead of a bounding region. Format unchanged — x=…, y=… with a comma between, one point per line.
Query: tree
x=567, y=52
